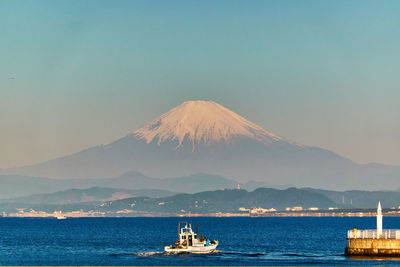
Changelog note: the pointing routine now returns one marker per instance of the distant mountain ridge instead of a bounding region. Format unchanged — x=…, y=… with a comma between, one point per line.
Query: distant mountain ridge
x=93, y=194
x=225, y=201
x=21, y=186
x=205, y=137
x=228, y=200
x=361, y=199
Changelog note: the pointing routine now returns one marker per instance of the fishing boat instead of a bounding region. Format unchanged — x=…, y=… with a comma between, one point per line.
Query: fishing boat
x=190, y=242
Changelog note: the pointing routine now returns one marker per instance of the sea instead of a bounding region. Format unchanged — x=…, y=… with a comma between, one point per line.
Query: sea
x=140, y=241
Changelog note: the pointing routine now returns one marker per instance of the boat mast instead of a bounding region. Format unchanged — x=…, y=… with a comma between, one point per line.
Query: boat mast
x=187, y=235
x=179, y=229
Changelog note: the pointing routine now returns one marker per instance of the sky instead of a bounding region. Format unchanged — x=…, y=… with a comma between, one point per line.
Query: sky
x=75, y=74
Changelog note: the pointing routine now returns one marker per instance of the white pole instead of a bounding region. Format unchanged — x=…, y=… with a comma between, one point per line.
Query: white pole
x=379, y=221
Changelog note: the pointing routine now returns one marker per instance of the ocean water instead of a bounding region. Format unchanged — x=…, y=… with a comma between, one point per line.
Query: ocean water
x=140, y=241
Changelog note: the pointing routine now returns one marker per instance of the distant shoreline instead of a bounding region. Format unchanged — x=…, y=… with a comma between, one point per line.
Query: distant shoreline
x=225, y=215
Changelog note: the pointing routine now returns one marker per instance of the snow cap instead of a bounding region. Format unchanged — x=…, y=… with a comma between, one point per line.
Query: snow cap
x=202, y=122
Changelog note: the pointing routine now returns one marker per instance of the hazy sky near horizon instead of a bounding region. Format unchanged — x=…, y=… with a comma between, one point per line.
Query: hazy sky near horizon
x=74, y=74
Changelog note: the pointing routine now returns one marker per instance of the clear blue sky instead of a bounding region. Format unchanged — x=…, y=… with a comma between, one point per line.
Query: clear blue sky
x=74, y=74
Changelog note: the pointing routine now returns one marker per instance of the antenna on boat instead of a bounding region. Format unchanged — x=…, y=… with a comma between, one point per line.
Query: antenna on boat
x=179, y=229
x=197, y=229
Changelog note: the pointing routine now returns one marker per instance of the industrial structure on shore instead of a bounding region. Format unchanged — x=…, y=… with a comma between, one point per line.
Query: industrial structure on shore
x=377, y=242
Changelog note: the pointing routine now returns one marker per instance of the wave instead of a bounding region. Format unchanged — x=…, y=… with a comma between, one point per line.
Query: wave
x=149, y=253
x=243, y=254
x=118, y=254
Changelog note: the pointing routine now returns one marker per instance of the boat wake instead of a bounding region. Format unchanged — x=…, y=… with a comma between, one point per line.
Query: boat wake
x=225, y=255
x=160, y=253
x=150, y=253
x=216, y=252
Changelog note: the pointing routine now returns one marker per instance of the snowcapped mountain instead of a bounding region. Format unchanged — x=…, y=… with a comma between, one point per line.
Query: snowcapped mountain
x=205, y=137
x=202, y=122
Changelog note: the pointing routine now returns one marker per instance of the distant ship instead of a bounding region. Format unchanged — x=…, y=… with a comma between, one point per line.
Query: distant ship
x=190, y=242
x=61, y=217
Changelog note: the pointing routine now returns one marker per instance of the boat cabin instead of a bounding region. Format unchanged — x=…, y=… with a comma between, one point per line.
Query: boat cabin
x=186, y=236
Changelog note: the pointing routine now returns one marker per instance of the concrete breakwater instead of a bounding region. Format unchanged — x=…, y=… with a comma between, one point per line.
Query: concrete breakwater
x=377, y=242
x=373, y=247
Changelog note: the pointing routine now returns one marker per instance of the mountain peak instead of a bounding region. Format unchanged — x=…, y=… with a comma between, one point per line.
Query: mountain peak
x=202, y=122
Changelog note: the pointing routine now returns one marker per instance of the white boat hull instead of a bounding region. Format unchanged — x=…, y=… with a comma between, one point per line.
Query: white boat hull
x=193, y=249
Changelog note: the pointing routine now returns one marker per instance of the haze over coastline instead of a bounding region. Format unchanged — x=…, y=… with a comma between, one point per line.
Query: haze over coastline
x=206, y=137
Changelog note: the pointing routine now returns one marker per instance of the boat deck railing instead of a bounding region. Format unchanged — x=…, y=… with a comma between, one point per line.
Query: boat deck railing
x=372, y=234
